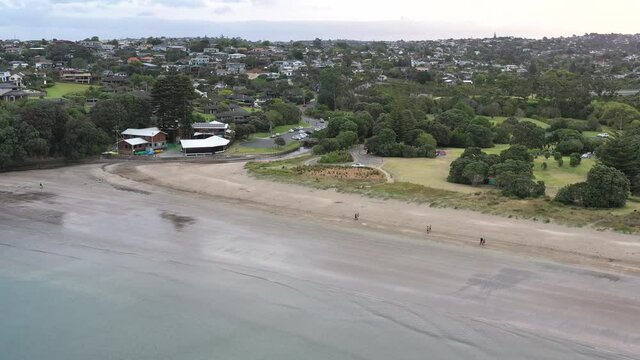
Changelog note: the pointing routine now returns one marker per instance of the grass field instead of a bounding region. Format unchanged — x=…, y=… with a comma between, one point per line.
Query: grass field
x=433, y=172
x=500, y=119
x=60, y=89
x=208, y=117
x=238, y=149
x=280, y=129
x=491, y=202
x=556, y=177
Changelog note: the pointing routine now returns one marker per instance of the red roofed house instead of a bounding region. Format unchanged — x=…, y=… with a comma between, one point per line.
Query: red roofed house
x=136, y=140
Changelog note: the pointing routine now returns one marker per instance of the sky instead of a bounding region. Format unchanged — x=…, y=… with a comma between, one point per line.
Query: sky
x=284, y=20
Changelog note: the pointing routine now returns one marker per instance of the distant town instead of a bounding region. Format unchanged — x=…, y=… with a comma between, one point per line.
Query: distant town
x=216, y=197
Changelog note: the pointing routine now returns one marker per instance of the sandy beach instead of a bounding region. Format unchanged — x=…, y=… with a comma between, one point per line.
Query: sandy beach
x=95, y=265
x=231, y=182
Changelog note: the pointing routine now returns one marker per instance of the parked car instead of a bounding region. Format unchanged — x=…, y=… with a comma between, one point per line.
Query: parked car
x=358, y=165
x=290, y=130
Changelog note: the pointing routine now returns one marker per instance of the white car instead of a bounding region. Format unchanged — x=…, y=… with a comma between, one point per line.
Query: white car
x=358, y=165
x=290, y=130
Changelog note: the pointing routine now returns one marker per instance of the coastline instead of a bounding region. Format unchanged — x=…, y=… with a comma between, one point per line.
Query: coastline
x=230, y=182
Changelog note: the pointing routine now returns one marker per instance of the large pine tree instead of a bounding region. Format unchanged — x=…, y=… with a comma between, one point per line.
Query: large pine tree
x=173, y=97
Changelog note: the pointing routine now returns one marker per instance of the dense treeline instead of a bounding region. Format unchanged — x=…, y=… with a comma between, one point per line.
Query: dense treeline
x=42, y=129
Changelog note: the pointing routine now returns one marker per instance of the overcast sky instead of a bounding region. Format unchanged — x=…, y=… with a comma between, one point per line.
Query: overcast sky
x=303, y=19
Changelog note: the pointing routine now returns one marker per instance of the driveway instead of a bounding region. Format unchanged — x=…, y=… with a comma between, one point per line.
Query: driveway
x=287, y=136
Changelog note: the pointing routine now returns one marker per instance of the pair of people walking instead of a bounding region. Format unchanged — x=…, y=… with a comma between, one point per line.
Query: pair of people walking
x=482, y=241
x=356, y=216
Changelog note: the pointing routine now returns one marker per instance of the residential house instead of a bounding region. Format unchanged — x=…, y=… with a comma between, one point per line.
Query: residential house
x=44, y=64
x=147, y=139
x=4, y=76
x=237, y=56
x=206, y=129
x=12, y=92
x=17, y=79
x=74, y=75
x=236, y=115
x=200, y=60
x=117, y=79
x=18, y=64
x=241, y=98
x=236, y=68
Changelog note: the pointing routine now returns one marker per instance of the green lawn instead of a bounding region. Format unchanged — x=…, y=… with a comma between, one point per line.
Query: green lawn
x=238, y=149
x=433, y=172
x=500, y=119
x=556, y=177
x=280, y=129
x=61, y=89
x=208, y=117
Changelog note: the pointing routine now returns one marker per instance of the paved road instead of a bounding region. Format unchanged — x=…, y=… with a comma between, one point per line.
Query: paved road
x=90, y=270
x=287, y=136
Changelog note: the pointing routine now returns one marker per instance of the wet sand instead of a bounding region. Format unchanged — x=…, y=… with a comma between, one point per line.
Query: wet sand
x=102, y=267
x=585, y=246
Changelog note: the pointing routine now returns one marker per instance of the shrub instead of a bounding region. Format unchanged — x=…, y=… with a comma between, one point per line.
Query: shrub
x=575, y=159
x=605, y=187
x=336, y=157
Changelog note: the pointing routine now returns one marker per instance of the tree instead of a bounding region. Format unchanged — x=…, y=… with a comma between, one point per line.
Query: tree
x=622, y=152
x=279, y=141
x=574, y=159
x=479, y=136
x=475, y=172
x=528, y=134
x=332, y=87
x=48, y=119
x=453, y=118
x=456, y=170
x=567, y=147
x=347, y=139
x=512, y=166
x=619, y=115
x=516, y=152
x=11, y=148
x=439, y=131
x=605, y=187
x=425, y=139
x=82, y=138
x=172, y=101
x=519, y=185
x=242, y=131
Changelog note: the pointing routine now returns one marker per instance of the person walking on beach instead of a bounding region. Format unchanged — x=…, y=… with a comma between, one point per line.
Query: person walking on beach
x=41, y=187
x=482, y=241
x=356, y=216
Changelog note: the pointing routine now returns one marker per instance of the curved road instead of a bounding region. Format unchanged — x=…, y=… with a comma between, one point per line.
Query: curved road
x=97, y=267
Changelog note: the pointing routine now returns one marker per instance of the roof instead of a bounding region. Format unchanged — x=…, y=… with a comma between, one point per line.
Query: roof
x=213, y=141
x=236, y=112
x=210, y=125
x=152, y=131
x=136, y=141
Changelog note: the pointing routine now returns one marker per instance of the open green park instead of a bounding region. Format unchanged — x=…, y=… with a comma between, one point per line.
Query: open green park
x=433, y=172
x=60, y=89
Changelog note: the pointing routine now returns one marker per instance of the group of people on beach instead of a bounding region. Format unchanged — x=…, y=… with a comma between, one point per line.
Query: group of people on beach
x=483, y=241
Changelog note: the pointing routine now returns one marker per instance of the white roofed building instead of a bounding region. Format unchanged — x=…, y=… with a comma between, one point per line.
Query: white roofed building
x=208, y=146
